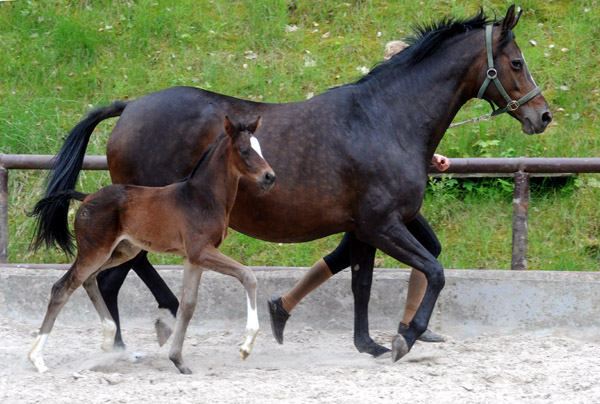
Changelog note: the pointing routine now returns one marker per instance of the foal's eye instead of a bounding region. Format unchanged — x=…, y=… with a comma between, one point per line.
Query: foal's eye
x=517, y=64
x=245, y=152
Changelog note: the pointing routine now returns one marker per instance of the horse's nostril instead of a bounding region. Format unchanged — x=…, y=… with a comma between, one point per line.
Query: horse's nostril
x=547, y=117
x=270, y=177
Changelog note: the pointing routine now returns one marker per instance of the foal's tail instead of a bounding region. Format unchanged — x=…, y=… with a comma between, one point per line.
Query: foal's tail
x=51, y=228
x=52, y=225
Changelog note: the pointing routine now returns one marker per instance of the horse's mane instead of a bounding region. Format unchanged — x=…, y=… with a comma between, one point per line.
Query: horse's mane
x=428, y=38
x=205, y=156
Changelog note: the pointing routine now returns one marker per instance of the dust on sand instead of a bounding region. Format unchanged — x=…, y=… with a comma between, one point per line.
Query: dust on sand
x=311, y=366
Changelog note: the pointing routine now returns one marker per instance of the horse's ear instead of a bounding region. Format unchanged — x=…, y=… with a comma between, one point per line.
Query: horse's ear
x=511, y=19
x=253, y=127
x=230, y=128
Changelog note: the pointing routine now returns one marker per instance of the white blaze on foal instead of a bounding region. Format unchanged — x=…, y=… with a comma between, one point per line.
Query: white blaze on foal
x=256, y=146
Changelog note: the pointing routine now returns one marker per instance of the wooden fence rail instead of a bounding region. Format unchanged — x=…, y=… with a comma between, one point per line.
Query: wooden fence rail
x=521, y=168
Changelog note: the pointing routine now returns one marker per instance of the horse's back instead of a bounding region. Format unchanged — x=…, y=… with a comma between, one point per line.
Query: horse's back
x=160, y=136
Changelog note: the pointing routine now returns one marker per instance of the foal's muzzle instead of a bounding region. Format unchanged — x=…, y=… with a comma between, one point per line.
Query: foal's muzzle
x=267, y=180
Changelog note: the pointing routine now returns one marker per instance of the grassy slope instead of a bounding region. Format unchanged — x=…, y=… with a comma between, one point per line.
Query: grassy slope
x=60, y=58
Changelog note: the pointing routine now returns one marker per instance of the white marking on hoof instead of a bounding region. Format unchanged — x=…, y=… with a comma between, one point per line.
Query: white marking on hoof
x=35, y=353
x=110, y=330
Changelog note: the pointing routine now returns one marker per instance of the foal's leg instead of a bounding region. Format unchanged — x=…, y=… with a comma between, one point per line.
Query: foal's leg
x=108, y=325
x=189, y=298
x=61, y=291
x=109, y=284
x=215, y=260
x=362, y=257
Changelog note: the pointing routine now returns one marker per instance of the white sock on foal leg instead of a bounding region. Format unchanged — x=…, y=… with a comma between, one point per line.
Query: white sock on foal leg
x=36, y=353
x=251, y=331
x=110, y=330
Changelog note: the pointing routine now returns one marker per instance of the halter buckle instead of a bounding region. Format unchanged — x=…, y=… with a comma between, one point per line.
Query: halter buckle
x=492, y=73
x=513, y=105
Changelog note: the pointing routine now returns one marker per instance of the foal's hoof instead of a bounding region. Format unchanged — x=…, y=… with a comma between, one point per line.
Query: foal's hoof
x=278, y=318
x=244, y=354
x=399, y=347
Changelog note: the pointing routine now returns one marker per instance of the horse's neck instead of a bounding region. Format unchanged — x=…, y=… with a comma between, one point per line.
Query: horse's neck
x=215, y=179
x=426, y=103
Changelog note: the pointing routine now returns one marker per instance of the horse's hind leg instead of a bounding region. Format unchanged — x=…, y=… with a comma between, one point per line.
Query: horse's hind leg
x=108, y=325
x=167, y=302
x=189, y=298
x=215, y=260
x=61, y=291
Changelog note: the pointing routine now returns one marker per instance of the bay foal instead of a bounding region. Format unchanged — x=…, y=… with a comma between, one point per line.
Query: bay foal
x=189, y=218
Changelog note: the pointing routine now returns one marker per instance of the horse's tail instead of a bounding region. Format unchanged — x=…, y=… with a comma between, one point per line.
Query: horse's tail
x=63, y=176
x=51, y=221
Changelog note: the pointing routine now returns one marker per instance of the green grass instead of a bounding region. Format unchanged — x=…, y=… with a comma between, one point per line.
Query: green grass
x=61, y=58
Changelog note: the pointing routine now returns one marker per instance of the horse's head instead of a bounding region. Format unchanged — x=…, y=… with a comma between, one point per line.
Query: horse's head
x=247, y=155
x=514, y=89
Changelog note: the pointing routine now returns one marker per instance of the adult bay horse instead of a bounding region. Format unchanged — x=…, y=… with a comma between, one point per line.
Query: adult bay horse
x=353, y=159
x=189, y=218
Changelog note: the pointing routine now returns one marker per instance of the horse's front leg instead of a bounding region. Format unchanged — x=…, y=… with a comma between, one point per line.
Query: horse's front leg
x=219, y=262
x=396, y=240
x=189, y=297
x=362, y=258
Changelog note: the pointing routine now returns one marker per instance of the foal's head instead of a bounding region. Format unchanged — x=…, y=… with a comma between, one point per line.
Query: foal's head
x=247, y=155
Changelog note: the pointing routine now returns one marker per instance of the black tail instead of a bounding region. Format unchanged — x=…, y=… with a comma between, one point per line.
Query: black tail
x=51, y=221
x=52, y=224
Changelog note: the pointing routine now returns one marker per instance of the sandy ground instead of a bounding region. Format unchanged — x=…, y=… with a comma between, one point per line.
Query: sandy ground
x=312, y=366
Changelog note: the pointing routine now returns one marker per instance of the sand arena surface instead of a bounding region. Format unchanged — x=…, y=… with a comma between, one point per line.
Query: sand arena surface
x=311, y=366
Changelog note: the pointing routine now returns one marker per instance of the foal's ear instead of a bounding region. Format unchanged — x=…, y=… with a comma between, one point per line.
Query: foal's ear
x=230, y=128
x=253, y=127
x=511, y=19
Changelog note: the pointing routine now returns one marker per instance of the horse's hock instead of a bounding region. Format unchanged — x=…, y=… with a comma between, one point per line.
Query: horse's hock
x=472, y=302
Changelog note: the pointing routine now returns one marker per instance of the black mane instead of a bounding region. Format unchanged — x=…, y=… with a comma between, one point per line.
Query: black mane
x=428, y=38
x=205, y=156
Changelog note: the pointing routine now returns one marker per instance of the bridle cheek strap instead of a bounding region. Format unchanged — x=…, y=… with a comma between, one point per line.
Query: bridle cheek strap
x=492, y=76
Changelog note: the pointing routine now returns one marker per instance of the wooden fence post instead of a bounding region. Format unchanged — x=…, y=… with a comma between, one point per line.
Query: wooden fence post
x=520, y=218
x=3, y=215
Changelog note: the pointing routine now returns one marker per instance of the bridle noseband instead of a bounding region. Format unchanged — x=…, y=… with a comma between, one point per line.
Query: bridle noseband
x=492, y=76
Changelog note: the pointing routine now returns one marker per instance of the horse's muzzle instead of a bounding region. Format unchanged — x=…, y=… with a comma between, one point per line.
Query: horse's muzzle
x=267, y=181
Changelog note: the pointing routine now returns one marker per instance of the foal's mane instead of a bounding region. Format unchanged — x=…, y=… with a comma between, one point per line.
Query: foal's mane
x=429, y=38
x=209, y=151
x=204, y=157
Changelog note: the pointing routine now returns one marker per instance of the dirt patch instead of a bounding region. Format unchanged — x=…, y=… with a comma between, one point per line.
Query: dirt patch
x=312, y=366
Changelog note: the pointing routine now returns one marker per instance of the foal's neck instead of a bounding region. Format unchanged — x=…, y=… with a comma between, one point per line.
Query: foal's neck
x=215, y=177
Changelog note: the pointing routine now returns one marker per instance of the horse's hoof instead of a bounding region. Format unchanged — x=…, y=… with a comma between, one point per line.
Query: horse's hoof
x=379, y=350
x=278, y=317
x=244, y=354
x=368, y=346
x=164, y=326
x=399, y=347
x=184, y=370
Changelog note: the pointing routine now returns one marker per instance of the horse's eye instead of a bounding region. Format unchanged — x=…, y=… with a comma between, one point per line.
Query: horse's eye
x=245, y=152
x=517, y=64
